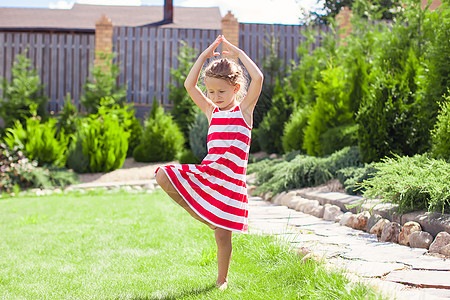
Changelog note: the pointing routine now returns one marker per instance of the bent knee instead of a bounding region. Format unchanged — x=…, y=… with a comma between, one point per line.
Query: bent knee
x=161, y=177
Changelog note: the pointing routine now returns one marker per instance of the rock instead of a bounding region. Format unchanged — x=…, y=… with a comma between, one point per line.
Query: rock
x=338, y=217
x=276, y=198
x=420, y=239
x=442, y=239
x=345, y=218
x=292, y=204
x=407, y=230
x=350, y=221
x=378, y=227
x=390, y=232
x=301, y=204
x=273, y=156
x=445, y=250
x=287, y=197
x=372, y=221
x=251, y=189
x=330, y=212
x=360, y=221
x=310, y=206
x=267, y=196
x=318, y=211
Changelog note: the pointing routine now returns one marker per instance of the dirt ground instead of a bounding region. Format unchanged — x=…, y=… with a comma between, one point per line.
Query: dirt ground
x=130, y=171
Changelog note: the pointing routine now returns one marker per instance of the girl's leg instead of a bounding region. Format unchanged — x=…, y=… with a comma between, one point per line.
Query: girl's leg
x=167, y=186
x=224, y=249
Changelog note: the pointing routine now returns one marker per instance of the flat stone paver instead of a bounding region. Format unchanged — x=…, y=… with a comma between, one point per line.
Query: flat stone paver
x=398, y=271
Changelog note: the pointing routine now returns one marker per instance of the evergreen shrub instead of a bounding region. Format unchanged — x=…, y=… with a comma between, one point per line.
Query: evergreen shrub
x=198, y=135
x=352, y=177
x=162, y=140
x=440, y=136
x=414, y=183
x=293, y=133
x=187, y=157
x=24, y=89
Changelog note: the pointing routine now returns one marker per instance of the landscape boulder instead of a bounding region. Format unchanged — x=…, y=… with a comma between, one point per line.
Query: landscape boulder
x=310, y=206
x=276, y=198
x=318, y=211
x=372, y=221
x=331, y=212
x=301, y=204
x=378, y=227
x=360, y=221
x=420, y=239
x=345, y=218
x=442, y=239
x=391, y=232
x=407, y=230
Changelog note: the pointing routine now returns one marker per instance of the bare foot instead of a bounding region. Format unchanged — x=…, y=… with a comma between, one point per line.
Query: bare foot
x=222, y=286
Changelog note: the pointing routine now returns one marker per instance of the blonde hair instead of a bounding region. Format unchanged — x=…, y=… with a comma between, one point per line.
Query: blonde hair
x=229, y=71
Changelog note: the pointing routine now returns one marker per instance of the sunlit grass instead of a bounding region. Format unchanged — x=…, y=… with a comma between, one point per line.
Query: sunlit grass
x=142, y=246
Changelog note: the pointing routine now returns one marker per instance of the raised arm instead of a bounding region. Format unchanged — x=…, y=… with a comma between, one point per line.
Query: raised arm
x=254, y=89
x=191, y=80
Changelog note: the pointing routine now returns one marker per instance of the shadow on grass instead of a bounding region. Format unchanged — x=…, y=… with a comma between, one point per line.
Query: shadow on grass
x=180, y=295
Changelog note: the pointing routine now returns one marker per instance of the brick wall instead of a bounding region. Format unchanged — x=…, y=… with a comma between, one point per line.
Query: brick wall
x=103, y=38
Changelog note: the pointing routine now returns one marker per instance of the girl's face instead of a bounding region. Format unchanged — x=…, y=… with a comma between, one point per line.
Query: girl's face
x=221, y=92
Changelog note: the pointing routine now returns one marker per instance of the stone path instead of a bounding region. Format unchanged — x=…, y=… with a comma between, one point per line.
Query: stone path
x=398, y=271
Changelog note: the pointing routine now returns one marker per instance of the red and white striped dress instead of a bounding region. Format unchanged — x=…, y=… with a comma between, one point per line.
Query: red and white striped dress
x=216, y=189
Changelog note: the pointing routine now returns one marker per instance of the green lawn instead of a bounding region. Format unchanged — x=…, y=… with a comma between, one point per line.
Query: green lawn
x=120, y=245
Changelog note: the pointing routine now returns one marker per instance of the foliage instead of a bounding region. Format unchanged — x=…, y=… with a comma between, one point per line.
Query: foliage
x=352, y=177
x=162, y=139
x=76, y=159
x=68, y=117
x=198, y=135
x=414, y=183
x=16, y=170
x=104, y=142
x=103, y=85
x=297, y=171
x=254, y=144
x=184, y=109
x=187, y=157
x=39, y=141
x=125, y=114
x=293, y=132
x=331, y=110
x=269, y=137
x=440, y=135
x=21, y=92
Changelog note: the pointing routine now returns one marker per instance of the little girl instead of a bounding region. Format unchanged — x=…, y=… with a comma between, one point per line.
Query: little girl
x=215, y=192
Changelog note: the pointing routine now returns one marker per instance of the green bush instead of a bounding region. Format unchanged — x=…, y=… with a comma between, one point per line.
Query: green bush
x=293, y=133
x=76, y=159
x=184, y=109
x=198, y=136
x=346, y=157
x=103, y=84
x=254, y=143
x=188, y=157
x=440, y=135
x=125, y=114
x=104, y=142
x=17, y=171
x=414, y=183
x=24, y=90
x=331, y=110
x=162, y=140
x=69, y=118
x=352, y=177
x=39, y=141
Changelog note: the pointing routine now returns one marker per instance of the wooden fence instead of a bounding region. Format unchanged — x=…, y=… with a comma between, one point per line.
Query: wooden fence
x=145, y=56
x=62, y=60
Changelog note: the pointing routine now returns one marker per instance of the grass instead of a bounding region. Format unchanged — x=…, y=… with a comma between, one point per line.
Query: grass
x=100, y=245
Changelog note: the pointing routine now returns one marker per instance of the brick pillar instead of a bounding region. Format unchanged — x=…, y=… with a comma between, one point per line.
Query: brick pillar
x=434, y=4
x=343, y=22
x=230, y=28
x=103, y=39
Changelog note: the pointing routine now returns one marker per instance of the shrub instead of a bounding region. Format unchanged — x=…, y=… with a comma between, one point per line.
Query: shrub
x=187, y=157
x=346, y=157
x=103, y=85
x=76, y=159
x=68, y=119
x=414, y=183
x=293, y=134
x=331, y=110
x=440, y=135
x=16, y=170
x=162, y=140
x=352, y=177
x=24, y=90
x=184, y=109
x=126, y=116
x=39, y=141
x=104, y=142
x=198, y=135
